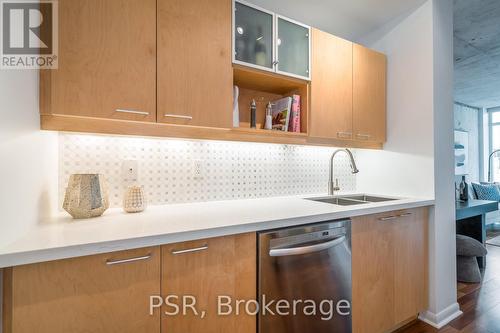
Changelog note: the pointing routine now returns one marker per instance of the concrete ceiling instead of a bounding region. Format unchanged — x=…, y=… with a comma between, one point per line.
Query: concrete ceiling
x=477, y=52
x=350, y=19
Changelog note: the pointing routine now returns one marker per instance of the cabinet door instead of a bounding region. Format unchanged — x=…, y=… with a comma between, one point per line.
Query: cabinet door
x=389, y=269
x=195, y=77
x=331, y=87
x=107, y=61
x=292, y=45
x=411, y=264
x=253, y=36
x=369, y=94
x=87, y=294
x=207, y=269
x=372, y=274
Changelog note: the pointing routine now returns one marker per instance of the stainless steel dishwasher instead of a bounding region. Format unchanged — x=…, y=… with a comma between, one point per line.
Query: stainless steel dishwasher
x=313, y=263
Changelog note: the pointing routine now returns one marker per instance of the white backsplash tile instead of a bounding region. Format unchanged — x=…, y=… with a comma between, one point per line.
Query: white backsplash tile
x=231, y=170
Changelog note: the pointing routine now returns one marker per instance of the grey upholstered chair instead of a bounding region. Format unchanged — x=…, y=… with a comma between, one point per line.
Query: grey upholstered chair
x=468, y=249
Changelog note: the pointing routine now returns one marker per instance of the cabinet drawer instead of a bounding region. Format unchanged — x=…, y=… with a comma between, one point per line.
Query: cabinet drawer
x=206, y=269
x=102, y=293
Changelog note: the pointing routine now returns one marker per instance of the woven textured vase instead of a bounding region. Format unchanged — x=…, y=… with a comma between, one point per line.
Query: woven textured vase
x=86, y=196
x=134, y=200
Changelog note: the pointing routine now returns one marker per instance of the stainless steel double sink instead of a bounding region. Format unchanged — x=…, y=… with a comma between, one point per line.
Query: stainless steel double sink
x=350, y=200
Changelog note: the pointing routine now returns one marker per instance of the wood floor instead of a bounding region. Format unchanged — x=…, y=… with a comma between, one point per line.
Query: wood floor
x=480, y=303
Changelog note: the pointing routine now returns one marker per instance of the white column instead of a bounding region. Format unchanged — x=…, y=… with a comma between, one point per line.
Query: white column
x=443, y=306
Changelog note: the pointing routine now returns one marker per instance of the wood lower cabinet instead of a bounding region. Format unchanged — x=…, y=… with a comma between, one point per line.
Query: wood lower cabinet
x=110, y=293
x=372, y=274
x=389, y=269
x=207, y=269
x=101, y=294
x=107, y=61
x=411, y=264
x=195, y=75
x=331, y=87
x=369, y=94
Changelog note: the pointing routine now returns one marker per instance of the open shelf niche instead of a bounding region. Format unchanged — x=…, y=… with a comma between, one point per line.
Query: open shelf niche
x=265, y=87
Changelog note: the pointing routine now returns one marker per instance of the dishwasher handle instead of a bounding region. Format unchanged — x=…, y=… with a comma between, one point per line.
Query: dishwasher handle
x=306, y=249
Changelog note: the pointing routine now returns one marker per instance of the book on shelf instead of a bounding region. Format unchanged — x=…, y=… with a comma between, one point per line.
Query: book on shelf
x=281, y=113
x=294, y=123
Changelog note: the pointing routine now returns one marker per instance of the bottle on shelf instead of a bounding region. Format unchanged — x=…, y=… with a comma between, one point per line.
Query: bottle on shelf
x=464, y=190
x=269, y=117
x=253, y=114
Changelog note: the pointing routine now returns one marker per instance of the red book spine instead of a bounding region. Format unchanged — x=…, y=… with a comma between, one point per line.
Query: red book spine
x=294, y=125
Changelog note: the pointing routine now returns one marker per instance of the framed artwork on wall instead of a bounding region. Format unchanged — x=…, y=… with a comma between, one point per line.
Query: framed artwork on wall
x=461, y=152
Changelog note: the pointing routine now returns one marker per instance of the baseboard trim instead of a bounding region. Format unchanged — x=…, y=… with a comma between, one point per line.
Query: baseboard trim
x=438, y=320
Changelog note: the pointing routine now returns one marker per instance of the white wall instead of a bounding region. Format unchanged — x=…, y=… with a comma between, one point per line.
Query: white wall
x=405, y=167
x=1, y=300
x=28, y=159
x=418, y=158
x=29, y=156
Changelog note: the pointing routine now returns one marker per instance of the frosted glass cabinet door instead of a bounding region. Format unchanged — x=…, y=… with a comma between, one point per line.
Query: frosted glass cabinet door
x=293, y=48
x=253, y=36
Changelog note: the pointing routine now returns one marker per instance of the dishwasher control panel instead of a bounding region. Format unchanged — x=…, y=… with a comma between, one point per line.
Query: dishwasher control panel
x=308, y=234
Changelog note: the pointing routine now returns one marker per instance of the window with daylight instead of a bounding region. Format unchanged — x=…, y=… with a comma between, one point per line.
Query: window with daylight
x=494, y=122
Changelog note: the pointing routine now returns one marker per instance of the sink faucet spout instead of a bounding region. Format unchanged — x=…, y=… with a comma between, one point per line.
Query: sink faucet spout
x=334, y=187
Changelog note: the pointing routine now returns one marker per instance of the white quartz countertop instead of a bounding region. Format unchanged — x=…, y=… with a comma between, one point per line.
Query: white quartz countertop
x=62, y=237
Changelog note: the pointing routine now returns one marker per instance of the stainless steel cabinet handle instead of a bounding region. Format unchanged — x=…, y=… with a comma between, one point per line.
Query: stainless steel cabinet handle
x=177, y=116
x=344, y=134
x=124, y=261
x=363, y=136
x=306, y=249
x=393, y=217
x=196, y=249
x=132, y=111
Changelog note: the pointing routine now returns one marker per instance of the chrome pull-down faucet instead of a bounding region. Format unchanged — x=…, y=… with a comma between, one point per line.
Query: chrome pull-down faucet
x=332, y=188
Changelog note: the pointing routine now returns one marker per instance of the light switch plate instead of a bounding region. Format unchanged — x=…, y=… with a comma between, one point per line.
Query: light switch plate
x=130, y=170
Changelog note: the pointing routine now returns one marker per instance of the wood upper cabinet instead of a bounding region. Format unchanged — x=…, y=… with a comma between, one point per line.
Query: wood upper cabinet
x=137, y=67
x=389, y=269
x=369, y=94
x=195, y=76
x=107, y=61
x=106, y=293
x=206, y=269
x=331, y=87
